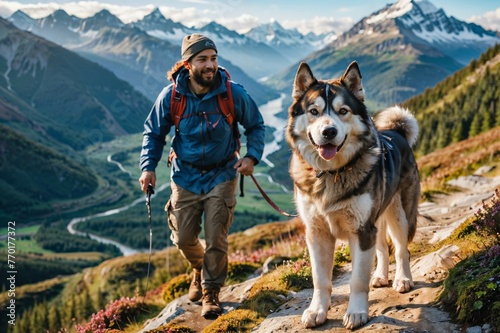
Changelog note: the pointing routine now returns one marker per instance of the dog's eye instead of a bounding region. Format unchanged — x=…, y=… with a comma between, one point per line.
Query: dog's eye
x=314, y=111
x=343, y=111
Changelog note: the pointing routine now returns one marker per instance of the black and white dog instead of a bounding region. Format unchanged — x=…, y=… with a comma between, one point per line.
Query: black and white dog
x=355, y=178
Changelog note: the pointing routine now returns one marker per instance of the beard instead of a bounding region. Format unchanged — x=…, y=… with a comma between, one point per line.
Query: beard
x=198, y=78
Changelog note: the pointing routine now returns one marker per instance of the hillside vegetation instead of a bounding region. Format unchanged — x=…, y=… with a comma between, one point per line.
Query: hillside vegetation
x=461, y=106
x=32, y=175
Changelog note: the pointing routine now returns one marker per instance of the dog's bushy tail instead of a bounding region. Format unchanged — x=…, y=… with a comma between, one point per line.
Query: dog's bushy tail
x=400, y=120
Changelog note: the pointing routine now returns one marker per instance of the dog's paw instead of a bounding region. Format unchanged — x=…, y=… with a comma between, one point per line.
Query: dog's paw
x=313, y=317
x=378, y=282
x=355, y=320
x=402, y=285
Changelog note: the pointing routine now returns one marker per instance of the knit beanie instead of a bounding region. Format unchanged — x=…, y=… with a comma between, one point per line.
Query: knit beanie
x=195, y=43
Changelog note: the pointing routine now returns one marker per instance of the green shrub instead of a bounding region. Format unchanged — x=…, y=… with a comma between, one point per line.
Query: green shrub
x=171, y=329
x=342, y=255
x=237, y=321
x=176, y=287
x=239, y=271
x=472, y=290
x=298, y=276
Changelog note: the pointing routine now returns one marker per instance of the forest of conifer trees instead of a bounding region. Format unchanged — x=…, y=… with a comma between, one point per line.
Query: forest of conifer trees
x=462, y=106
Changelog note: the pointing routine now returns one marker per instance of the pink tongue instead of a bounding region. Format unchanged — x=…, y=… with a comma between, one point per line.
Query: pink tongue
x=327, y=151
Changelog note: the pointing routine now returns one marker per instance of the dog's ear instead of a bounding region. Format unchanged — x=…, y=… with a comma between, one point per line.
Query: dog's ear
x=303, y=80
x=352, y=80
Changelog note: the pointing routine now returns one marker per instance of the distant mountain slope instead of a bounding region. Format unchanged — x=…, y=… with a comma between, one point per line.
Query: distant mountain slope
x=462, y=106
x=31, y=175
x=289, y=42
x=402, y=49
x=292, y=45
x=243, y=52
x=144, y=60
x=89, y=103
x=132, y=55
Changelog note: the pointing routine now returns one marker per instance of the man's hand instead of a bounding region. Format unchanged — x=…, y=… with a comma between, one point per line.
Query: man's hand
x=245, y=166
x=147, y=177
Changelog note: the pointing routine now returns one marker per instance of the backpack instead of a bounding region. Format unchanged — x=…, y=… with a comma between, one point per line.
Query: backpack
x=224, y=101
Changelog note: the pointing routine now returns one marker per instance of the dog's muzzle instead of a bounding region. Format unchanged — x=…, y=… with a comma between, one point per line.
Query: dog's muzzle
x=327, y=151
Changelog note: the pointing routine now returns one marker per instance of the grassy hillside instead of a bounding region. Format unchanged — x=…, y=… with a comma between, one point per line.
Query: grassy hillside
x=459, y=159
x=461, y=106
x=72, y=299
x=32, y=176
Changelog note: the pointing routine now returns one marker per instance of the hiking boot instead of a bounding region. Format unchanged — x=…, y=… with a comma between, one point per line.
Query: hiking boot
x=210, y=308
x=195, y=291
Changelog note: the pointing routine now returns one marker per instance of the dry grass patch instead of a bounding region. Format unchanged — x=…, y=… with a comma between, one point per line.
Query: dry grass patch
x=459, y=159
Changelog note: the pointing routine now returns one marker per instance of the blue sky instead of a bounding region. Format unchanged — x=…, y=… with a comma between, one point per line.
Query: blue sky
x=241, y=15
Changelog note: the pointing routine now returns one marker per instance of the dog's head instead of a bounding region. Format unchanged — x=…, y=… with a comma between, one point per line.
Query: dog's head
x=328, y=119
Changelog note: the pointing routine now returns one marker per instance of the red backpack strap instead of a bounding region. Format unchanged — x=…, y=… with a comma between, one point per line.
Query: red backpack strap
x=226, y=104
x=177, y=106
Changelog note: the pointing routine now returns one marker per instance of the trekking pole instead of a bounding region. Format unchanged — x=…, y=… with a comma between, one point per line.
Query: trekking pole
x=242, y=182
x=150, y=192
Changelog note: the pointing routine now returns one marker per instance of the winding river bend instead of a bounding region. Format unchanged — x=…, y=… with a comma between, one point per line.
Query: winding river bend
x=268, y=111
x=123, y=248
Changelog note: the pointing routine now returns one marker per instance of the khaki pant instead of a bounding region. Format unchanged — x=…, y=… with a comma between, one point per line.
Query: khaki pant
x=185, y=210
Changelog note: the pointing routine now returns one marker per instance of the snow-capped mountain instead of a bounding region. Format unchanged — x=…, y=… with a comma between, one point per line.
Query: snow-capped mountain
x=401, y=49
x=244, y=52
x=290, y=43
x=22, y=20
x=101, y=19
x=58, y=27
x=457, y=39
x=256, y=58
x=73, y=32
x=405, y=47
x=157, y=25
x=64, y=29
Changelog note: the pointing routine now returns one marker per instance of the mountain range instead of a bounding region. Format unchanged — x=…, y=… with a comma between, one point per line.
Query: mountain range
x=142, y=52
x=403, y=49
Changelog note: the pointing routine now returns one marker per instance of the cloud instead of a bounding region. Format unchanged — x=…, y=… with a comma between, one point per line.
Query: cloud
x=240, y=24
x=490, y=20
x=320, y=24
x=198, y=14
x=80, y=9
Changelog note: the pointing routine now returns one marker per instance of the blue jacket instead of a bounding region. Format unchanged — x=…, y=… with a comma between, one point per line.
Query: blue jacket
x=204, y=137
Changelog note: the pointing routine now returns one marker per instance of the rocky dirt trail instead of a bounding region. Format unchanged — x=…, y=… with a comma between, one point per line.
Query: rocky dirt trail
x=390, y=311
